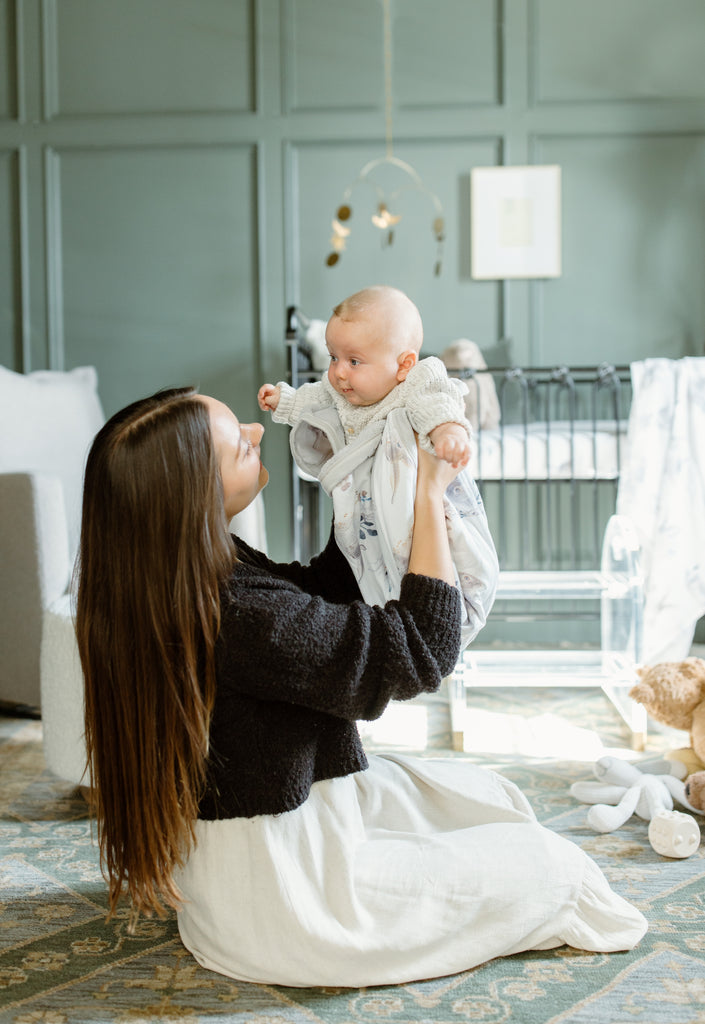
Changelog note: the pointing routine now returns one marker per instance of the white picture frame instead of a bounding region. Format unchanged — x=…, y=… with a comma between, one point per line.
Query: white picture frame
x=515, y=222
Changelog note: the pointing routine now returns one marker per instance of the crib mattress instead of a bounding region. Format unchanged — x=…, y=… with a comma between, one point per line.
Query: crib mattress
x=561, y=450
x=582, y=450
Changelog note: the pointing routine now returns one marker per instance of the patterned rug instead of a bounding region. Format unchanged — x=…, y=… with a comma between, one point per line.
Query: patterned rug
x=60, y=963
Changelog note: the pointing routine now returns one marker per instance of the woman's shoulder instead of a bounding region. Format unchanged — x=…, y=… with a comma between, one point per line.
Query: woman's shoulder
x=254, y=569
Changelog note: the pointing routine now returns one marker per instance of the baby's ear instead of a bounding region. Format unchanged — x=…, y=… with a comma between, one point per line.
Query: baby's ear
x=405, y=362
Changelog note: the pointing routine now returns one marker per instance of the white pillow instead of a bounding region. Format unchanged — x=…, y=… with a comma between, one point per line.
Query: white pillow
x=47, y=422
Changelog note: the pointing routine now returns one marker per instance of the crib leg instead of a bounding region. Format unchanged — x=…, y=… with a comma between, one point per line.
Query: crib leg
x=457, y=700
x=633, y=714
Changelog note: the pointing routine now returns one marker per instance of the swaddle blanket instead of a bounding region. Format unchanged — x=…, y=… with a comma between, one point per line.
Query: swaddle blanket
x=372, y=481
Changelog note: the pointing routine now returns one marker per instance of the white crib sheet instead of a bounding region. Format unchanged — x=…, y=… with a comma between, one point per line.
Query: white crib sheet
x=540, y=452
x=560, y=451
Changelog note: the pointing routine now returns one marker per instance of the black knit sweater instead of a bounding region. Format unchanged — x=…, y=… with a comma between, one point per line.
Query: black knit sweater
x=300, y=658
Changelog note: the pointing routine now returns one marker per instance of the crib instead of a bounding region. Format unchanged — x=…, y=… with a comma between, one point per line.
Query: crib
x=569, y=598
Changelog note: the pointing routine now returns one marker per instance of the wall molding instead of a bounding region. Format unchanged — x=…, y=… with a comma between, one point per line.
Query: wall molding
x=538, y=99
x=53, y=266
x=18, y=248
x=51, y=91
x=16, y=106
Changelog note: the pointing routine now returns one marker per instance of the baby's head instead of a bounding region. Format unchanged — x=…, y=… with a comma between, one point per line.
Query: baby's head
x=374, y=338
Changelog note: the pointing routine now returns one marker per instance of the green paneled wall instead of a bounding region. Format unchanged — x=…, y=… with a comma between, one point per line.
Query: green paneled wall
x=149, y=57
x=169, y=170
x=171, y=297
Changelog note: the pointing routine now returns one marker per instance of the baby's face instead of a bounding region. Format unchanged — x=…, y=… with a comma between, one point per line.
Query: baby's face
x=364, y=366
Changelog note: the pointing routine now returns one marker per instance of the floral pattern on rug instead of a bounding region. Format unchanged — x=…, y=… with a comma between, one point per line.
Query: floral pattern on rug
x=62, y=963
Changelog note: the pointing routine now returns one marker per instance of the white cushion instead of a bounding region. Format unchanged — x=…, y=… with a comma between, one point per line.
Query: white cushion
x=47, y=422
x=62, y=695
x=249, y=525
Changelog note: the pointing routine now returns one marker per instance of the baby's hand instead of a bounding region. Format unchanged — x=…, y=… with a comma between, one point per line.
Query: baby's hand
x=451, y=443
x=268, y=397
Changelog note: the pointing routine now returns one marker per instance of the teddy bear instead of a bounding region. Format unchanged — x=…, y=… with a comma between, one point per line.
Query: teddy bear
x=673, y=692
x=481, y=402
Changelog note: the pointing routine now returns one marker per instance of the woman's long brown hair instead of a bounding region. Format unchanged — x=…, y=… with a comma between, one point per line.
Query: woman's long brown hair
x=155, y=550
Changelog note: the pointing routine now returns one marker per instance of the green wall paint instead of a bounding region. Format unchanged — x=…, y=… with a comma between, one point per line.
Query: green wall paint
x=169, y=170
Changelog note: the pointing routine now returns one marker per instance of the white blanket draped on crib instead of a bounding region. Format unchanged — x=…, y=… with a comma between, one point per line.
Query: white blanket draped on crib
x=372, y=481
x=662, y=490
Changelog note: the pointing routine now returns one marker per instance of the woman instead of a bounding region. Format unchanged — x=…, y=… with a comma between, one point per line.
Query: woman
x=222, y=692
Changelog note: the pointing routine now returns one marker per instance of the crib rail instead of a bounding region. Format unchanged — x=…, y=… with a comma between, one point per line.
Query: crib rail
x=571, y=422
x=548, y=472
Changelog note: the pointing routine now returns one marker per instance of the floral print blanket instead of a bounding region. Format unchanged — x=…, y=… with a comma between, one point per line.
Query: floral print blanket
x=372, y=481
x=662, y=491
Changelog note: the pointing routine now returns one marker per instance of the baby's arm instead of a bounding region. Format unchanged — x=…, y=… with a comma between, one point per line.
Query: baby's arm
x=435, y=403
x=451, y=443
x=268, y=397
x=287, y=404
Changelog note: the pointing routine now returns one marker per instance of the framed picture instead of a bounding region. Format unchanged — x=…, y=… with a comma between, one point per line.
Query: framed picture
x=516, y=221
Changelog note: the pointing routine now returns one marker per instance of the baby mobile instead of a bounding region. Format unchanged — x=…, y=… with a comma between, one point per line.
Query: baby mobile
x=384, y=218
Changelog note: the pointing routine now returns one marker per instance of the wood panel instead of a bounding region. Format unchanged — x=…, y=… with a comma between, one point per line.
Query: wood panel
x=10, y=297
x=633, y=284
x=335, y=54
x=8, y=60
x=609, y=50
x=449, y=61
x=451, y=304
x=148, y=56
x=157, y=250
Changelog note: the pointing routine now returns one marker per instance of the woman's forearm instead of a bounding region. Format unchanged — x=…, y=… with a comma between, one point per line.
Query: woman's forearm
x=430, y=550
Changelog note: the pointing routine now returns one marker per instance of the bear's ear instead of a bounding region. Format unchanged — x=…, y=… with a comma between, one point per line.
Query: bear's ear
x=697, y=731
x=641, y=692
x=695, y=791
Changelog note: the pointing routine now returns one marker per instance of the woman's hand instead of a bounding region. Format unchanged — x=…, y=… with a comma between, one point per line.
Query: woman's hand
x=451, y=442
x=430, y=549
x=434, y=472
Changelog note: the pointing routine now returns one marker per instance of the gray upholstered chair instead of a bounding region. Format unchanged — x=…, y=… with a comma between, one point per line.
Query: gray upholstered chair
x=47, y=422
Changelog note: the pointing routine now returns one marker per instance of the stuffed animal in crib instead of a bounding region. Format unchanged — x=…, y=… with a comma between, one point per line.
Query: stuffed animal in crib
x=481, y=402
x=673, y=692
x=622, y=789
x=315, y=344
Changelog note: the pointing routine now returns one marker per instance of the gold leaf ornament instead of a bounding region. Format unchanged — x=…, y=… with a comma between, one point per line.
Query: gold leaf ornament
x=383, y=219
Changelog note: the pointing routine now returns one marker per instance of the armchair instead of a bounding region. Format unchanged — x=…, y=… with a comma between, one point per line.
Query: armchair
x=47, y=422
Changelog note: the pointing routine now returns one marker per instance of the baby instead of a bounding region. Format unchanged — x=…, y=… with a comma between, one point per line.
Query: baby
x=354, y=431
x=374, y=338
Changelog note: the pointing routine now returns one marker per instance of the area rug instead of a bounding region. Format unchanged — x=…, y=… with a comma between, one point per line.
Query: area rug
x=61, y=963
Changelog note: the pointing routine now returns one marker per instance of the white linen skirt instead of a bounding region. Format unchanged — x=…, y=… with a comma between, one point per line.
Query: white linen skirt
x=412, y=869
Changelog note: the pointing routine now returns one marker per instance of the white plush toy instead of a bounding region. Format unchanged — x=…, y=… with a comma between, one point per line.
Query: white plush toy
x=315, y=339
x=673, y=834
x=622, y=790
